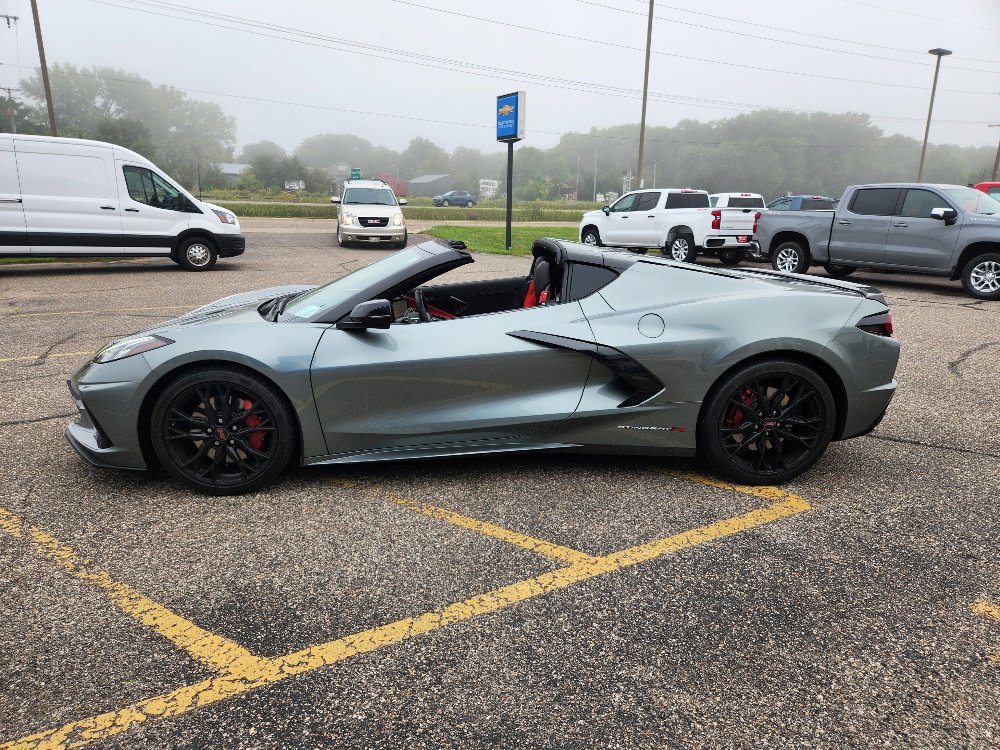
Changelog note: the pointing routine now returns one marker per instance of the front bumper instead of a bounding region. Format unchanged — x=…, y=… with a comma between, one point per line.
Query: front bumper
x=106, y=436
x=231, y=245
x=355, y=233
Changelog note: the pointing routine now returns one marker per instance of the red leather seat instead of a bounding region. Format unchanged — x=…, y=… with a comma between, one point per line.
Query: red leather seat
x=540, y=284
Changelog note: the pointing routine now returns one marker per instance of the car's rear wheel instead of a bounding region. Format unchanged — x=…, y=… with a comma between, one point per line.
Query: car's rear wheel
x=591, y=237
x=981, y=276
x=222, y=431
x=197, y=254
x=682, y=249
x=790, y=257
x=766, y=423
x=470, y=204
x=839, y=271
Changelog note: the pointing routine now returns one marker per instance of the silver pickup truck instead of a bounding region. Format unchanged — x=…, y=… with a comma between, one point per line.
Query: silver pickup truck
x=944, y=230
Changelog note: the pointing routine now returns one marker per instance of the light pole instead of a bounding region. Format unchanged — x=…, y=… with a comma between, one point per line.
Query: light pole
x=645, y=92
x=938, y=52
x=996, y=162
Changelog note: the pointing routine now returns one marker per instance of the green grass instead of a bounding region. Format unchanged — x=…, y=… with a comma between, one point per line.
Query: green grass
x=493, y=239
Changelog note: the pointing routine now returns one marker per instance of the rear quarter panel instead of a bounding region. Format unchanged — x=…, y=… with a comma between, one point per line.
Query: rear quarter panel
x=812, y=227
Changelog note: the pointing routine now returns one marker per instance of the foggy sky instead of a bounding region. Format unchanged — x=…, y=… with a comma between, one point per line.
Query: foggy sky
x=383, y=89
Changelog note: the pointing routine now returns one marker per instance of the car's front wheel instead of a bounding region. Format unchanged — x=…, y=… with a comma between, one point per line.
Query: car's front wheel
x=445, y=203
x=591, y=237
x=767, y=422
x=340, y=238
x=682, y=249
x=222, y=431
x=981, y=276
x=790, y=257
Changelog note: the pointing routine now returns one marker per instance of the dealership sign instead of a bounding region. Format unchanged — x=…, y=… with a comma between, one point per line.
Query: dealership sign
x=510, y=117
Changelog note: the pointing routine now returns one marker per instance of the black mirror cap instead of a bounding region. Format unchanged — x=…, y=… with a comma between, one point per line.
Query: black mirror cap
x=376, y=313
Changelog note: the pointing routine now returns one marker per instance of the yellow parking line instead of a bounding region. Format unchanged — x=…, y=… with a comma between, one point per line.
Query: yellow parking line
x=530, y=543
x=57, y=313
x=212, y=650
x=33, y=357
x=988, y=609
x=268, y=671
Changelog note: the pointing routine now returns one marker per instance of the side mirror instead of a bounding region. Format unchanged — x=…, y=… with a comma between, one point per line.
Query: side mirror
x=947, y=215
x=334, y=199
x=606, y=210
x=376, y=313
x=402, y=201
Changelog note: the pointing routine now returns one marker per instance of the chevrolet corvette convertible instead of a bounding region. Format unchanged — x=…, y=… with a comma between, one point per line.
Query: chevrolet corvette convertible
x=591, y=350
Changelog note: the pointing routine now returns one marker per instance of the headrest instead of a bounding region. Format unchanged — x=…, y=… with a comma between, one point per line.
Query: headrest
x=547, y=248
x=542, y=275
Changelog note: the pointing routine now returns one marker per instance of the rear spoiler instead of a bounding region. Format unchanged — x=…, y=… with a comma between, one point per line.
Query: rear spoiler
x=869, y=292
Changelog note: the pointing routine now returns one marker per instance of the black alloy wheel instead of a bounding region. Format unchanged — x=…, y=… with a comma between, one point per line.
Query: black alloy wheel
x=767, y=423
x=222, y=432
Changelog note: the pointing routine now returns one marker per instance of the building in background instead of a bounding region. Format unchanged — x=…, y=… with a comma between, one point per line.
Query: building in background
x=429, y=185
x=231, y=171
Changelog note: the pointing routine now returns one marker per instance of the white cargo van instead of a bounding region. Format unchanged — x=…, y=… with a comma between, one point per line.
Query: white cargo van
x=72, y=197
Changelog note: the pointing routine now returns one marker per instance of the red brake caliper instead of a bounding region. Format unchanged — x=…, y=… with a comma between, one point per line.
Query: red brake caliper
x=256, y=439
x=736, y=415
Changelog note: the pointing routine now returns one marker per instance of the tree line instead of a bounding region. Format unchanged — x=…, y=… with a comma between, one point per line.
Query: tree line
x=766, y=151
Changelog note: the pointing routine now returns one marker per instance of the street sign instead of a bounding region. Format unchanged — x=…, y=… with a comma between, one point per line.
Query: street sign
x=510, y=117
x=355, y=173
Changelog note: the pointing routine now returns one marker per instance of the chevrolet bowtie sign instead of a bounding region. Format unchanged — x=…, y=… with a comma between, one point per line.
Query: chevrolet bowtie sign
x=510, y=111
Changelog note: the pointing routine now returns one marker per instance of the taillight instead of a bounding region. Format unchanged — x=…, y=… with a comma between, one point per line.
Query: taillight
x=756, y=218
x=879, y=324
x=717, y=219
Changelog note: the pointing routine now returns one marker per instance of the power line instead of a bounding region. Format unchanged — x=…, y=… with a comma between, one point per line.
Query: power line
x=918, y=15
x=169, y=10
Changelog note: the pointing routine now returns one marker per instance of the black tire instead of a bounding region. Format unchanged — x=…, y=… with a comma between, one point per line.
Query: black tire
x=838, y=271
x=590, y=236
x=341, y=242
x=197, y=254
x=790, y=257
x=731, y=257
x=766, y=423
x=216, y=407
x=981, y=276
x=682, y=249
x=445, y=203
x=470, y=204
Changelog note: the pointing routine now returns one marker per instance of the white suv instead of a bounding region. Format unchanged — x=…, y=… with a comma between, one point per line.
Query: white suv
x=370, y=213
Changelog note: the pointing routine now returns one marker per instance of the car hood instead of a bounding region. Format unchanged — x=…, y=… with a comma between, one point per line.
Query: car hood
x=593, y=215
x=228, y=309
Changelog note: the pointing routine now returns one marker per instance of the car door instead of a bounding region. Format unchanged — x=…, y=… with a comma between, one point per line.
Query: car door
x=449, y=381
x=915, y=239
x=617, y=226
x=153, y=214
x=643, y=229
x=861, y=229
x=13, y=238
x=69, y=198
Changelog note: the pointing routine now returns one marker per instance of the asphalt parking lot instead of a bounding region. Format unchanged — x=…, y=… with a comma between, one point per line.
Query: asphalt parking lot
x=501, y=602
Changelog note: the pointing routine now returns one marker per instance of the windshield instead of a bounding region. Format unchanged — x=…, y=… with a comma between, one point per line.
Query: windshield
x=308, y=304
x=369, y=197
x=974, y=201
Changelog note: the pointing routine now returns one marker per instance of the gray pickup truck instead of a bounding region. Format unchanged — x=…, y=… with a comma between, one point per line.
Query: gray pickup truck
x=944, y=230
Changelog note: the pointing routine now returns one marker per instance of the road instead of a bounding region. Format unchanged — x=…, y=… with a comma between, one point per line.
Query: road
x=545, y=601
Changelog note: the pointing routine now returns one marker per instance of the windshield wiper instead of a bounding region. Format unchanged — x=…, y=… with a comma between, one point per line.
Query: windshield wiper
x=280, y=304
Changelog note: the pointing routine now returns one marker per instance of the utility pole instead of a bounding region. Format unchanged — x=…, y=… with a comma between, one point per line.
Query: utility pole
x=938, y=52
x=595, y=172
x=13, y=111
x=44, y=67
x=645, y=91
x=996, y=162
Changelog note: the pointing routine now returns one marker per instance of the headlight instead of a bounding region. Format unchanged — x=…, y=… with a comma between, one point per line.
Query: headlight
x=224, y=216
x=397, y=220
x=346, y=218
x=129, y=347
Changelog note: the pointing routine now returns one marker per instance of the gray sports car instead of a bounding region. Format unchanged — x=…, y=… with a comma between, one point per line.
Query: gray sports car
x=591, y=350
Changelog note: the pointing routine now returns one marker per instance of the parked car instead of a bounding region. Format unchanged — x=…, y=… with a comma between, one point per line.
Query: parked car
x=370, y=212
x=737, y=200
x=455, y=198
x=678, y=221
x=72, y=197
x=990, y=188
x=944, y=230
x=801, y=203
x=755, y=371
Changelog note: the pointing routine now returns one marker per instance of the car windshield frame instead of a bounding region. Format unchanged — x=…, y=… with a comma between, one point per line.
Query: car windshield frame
x=369, y=192
x=960, y=196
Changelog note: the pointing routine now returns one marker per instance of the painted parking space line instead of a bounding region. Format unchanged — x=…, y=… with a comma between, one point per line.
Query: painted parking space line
x=105, y=312
x=215, y=652
x=258, y=672
x=35, y=357
x=988, y=609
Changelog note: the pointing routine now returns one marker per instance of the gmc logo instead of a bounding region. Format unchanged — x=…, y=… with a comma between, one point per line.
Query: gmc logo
x=373, y=221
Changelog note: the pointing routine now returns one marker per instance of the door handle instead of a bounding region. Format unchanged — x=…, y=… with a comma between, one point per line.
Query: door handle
x=901, y=224
x=132, y=210
x=651, y=216
x=10, y=200
x=844, y=223
x=107, y=208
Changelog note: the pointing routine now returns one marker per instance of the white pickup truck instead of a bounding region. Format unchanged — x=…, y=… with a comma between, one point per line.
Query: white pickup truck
x=679, y=222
